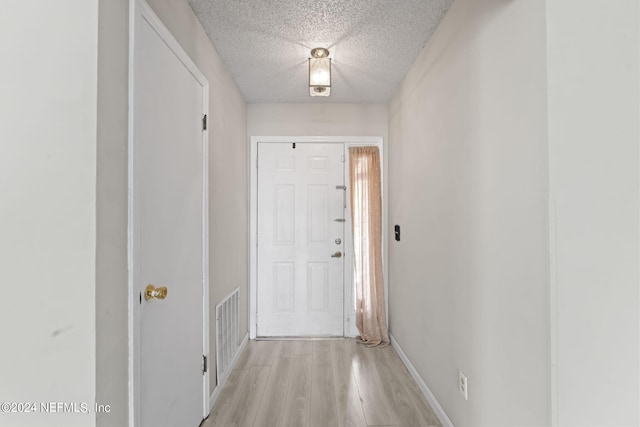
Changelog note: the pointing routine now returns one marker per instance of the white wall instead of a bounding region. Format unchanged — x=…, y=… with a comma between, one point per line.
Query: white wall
x=468, y=185
x=228, y=211
x=593, y=56
x=112, y=335
x=48, y=89
x=317, y=120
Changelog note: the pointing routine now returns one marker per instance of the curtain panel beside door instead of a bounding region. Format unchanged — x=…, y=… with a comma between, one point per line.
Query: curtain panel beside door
x=366, y=215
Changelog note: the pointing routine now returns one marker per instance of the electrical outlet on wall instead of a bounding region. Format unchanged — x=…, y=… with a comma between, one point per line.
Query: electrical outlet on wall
x=462, y=385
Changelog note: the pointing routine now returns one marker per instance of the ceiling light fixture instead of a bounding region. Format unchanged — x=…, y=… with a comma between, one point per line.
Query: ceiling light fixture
x=319, y=72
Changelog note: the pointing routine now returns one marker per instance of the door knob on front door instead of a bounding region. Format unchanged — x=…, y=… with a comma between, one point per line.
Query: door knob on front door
x=338, y=254
x=152, y=292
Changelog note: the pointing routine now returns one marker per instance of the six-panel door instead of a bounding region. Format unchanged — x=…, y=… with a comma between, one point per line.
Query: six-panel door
x=300, y=234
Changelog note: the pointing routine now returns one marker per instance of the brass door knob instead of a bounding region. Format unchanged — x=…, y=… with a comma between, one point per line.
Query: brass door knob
x=152, y=292
x=338, y=254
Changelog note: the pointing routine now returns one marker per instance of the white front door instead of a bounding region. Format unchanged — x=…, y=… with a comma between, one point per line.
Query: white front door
x=167, y=166
x=301, y=213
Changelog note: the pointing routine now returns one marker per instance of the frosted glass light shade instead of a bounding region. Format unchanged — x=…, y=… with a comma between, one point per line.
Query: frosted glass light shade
x=320, y=73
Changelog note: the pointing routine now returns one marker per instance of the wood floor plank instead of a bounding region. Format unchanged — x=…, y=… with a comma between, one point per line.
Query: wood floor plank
x=396, y=392
x=225, y=403
x=273, y=399
x=257, y=353
x=247, y=397
x=265, y=353
x=377, y=409
x=297, y=402
x=321, y=345
x=304, y=347
x=424, y=413
x=323, y=391
x=349, y=405
x=285, y=348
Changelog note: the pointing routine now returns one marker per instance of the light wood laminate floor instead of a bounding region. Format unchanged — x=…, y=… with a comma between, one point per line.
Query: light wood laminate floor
x=326, y=383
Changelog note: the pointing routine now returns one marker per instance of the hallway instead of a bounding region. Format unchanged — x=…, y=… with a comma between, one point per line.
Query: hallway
x=320, y=383
x=510, y=140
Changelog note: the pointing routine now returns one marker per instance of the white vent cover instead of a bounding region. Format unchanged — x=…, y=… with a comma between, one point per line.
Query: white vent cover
x=227, y=345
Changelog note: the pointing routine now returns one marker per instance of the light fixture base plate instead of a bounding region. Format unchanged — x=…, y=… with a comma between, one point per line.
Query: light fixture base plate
x=320, y=52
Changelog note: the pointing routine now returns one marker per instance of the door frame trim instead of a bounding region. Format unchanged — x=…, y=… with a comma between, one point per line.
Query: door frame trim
x=348, y=141
x=142, y=7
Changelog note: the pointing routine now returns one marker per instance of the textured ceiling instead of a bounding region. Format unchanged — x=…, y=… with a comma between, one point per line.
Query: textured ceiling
x=265, y=44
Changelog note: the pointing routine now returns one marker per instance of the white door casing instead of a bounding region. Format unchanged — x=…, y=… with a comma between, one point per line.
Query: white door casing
x=347, y=141
x=168, y=244
x=301, y=210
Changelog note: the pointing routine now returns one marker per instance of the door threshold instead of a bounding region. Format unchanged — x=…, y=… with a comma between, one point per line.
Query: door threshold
x=301, y=338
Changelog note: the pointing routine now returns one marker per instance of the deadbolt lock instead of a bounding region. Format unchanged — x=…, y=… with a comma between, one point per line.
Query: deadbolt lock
x=338, y=241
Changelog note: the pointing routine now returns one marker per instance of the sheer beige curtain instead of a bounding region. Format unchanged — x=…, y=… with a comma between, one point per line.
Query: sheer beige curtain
x=366, y=215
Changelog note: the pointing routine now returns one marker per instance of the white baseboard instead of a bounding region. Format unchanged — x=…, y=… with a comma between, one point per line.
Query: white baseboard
x=435, y=405
x=223, y=379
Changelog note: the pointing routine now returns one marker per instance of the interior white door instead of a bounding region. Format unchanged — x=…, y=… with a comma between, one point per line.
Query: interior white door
x=301, y=208
x=167, y=225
